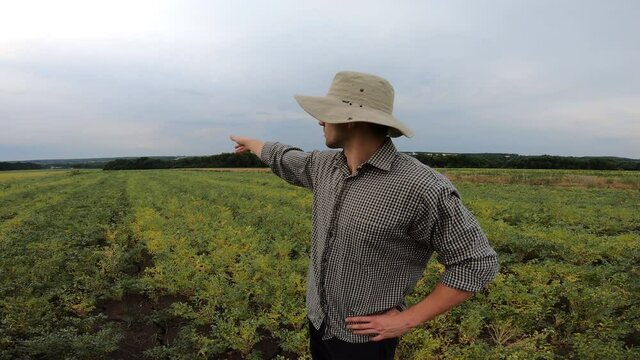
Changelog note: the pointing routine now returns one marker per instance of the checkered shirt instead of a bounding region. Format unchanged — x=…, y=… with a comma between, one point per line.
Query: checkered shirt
x=375, y=230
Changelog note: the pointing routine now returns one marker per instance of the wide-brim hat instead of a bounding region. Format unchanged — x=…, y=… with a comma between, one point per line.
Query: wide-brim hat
x=356, y=96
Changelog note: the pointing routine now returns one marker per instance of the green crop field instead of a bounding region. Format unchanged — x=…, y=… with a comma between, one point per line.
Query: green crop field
x=186, y=264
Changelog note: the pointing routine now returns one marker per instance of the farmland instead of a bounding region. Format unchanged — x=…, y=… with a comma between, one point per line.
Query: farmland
x=187, y=264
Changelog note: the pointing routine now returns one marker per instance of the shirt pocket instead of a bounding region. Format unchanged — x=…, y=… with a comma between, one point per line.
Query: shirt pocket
x=375, y=240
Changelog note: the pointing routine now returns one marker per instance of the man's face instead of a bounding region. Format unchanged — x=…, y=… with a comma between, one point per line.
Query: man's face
x=334, y=134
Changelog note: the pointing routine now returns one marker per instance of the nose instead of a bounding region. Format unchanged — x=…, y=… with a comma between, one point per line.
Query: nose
x=320, y=122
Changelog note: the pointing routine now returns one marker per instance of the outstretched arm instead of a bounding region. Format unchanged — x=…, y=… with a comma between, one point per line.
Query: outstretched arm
x=291, y=164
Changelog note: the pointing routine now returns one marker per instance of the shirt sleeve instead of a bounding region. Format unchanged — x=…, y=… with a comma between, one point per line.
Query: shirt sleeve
x=459, y=242
x=290, y=163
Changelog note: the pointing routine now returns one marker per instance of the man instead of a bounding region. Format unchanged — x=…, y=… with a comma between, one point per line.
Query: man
x=378, y=215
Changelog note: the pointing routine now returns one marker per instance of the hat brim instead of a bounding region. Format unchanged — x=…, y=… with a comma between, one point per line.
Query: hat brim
x=335, y=111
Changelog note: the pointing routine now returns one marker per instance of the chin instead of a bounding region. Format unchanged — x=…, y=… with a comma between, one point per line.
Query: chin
x=332, y=145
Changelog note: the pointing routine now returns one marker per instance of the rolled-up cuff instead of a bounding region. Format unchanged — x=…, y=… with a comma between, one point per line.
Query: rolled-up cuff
x=267, y=152
x=471, y=276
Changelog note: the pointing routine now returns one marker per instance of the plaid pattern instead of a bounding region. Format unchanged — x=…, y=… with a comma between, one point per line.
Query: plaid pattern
x=375, y=230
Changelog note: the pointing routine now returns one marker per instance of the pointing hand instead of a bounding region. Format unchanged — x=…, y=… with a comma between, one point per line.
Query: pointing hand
x=244, y=144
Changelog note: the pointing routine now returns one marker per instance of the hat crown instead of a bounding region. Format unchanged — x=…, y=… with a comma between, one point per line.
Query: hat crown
x=363, y=89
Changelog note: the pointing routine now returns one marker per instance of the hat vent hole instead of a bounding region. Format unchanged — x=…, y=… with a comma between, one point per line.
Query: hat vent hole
x=361, y=90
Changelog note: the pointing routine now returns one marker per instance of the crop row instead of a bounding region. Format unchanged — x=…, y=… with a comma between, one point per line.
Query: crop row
x=197, y=264
x=236, y=258
x=51, y=273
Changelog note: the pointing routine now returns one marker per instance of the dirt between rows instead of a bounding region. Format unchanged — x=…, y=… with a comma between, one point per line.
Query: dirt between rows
x=136, y=315
x=133, y=314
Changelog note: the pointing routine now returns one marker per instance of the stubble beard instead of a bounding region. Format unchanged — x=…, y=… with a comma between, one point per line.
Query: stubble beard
x=335, y=141
x=332, y=145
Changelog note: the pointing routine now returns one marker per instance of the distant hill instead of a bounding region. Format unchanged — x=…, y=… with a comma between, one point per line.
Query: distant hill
x=515, y=161
x=87, y=163
x=18, y=165
x=93, y=160
x=433, y=159
x=224, y=160
x=439, y=160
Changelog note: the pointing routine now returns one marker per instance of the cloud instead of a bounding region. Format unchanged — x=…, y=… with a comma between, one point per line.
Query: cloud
x=595, y=118
x=498, y=76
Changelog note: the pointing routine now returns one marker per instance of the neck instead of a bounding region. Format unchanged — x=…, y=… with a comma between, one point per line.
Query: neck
x=359, y=150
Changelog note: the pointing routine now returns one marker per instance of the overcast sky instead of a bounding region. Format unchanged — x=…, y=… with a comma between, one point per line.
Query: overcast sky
x=89, y=78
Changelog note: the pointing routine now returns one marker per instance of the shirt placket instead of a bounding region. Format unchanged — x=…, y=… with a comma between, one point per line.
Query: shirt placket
x=345, y=183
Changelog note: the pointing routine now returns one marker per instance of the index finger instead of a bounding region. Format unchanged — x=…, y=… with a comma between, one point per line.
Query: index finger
x=358, y=319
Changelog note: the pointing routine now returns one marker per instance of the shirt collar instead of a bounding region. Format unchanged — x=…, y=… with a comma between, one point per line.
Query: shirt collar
x=382, y=158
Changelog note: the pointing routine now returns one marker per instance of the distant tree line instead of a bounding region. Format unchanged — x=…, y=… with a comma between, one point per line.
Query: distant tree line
x=19, y=166
x=89, y=165
x=513, y=161
x=437, y=160
x=507, y=161
x=6, y=165
x=224, y=160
